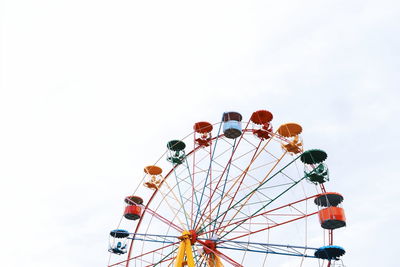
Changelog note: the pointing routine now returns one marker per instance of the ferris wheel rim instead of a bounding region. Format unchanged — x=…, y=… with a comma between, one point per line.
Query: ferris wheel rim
x=172, y=170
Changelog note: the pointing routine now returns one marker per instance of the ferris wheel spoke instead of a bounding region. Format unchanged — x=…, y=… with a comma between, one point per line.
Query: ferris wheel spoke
x=167, y=257
x=202, y=259
x=164, y=220
x=196, y=169
x=143, y=254
x=178, y=184
x=193, y=195
x=269, y=202
x=164, y=260
x=154, y=238
x=208, y=173
x=224, y=185
x=220, y=254
x=253, y=192
x=263, y=214
x=267, y=228
x=211, y=187
x=171, y=189
x=272, y=200
x=223, y=196
x=208, y=184
x=154, y=215
x=170, y=206
x=243, y=176
x=157, y=215
x=278, y=249
x=248, y=233
x=250, y=194
x=235, y=145
x=245, y=172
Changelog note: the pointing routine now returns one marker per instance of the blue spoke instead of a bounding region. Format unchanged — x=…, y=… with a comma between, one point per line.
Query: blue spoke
x=208, y=173
x=269, y=252
x=226, y=179
x=181, y=197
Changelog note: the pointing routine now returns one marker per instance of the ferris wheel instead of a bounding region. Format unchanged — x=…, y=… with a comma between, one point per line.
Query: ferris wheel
x=232, y=193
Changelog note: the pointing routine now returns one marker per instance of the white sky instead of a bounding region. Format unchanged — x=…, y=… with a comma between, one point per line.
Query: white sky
x=92, y=90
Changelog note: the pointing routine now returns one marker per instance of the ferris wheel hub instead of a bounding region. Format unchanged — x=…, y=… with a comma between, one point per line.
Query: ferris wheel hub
x=209, y=246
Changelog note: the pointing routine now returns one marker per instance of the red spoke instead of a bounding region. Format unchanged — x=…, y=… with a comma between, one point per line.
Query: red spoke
x=267, y=228
x=253, y=192
x=164, y=220
x=220, y=179
x=241, y=181
x=141, y=255
x=161, y=261
x=261, y=214
x=150, y=200
x=222, y=255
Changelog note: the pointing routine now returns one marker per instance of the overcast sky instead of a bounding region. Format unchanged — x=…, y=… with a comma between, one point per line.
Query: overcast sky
x=91, y=91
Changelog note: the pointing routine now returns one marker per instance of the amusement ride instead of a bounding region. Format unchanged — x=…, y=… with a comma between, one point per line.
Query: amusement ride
x=232, y=193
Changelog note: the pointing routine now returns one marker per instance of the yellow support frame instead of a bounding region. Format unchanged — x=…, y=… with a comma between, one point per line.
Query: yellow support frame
x=214, y=261
x=185, y=249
